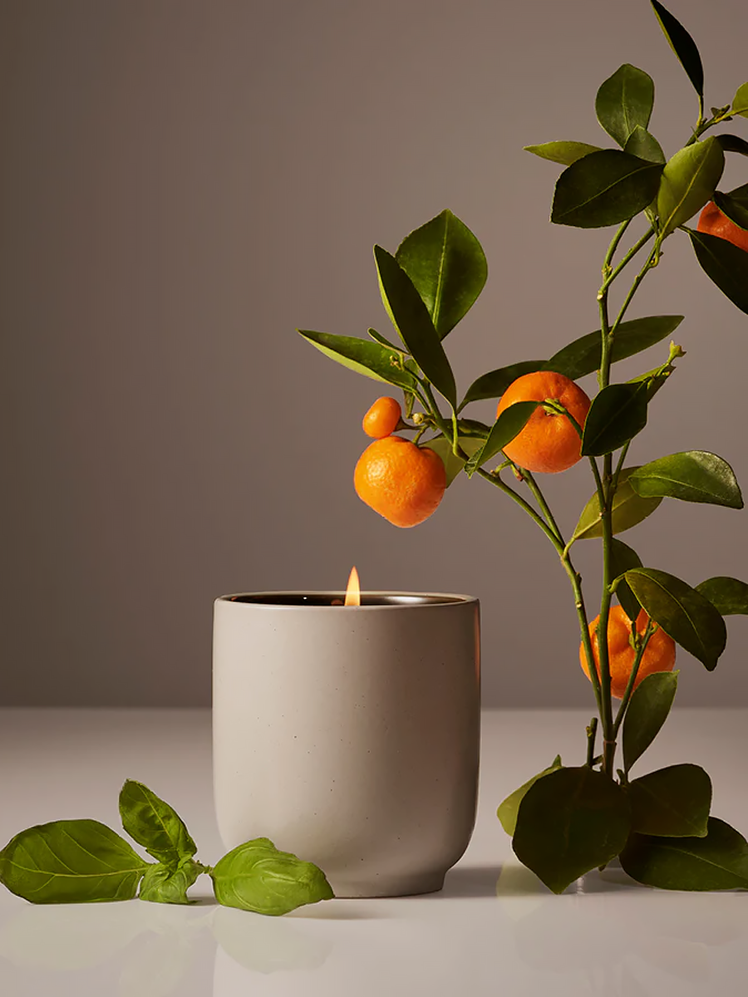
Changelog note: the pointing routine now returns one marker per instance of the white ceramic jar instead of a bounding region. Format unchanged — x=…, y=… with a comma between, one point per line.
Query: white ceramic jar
x=349, y=735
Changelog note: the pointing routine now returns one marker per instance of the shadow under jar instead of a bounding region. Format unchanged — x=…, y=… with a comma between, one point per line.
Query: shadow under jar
x=349, y=735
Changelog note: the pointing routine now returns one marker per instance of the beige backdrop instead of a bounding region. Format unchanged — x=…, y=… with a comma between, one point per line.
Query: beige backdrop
x=184, y=183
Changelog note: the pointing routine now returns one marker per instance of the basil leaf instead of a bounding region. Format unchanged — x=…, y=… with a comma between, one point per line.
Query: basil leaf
x=164, y=885
x=624, y=102
x=565, y=153
x=154, y=824
x=447, y=266
x=70, y=861
x=256, y=876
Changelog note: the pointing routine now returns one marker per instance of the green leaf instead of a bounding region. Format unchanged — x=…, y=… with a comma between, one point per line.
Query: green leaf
x=725, y=264
x=164, y=885
x=689, y=180
x=671, y=802
x=693, y=476
x=629, y=509
x=452, y=463
x=682, y=612
x=70, y=861
x=411, y=319
x=507, y=812
x=447, y=266
x=383, y=341
x=647, y=712
x=569, y=822
x=643, y=144
x=624, y=102
x=509, y=424
x=740, y=101
x=604, y=188
x=717, y=862
x=736, y=208
x=370, y=359
x=616, y=415
x=732, y=143
x=729, y=596
x=565, y=153
x=583, y=355
x=154, y=824
x=495, y=383
x=256, y=876
x=622, y=559
x=683, y=45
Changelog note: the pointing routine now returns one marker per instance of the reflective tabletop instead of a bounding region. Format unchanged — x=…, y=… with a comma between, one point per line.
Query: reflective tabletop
x=494, y=929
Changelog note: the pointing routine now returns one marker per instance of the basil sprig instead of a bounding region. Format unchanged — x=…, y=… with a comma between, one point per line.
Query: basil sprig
x=84, y=861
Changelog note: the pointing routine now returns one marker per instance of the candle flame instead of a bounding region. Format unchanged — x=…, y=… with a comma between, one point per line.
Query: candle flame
x=353, y=591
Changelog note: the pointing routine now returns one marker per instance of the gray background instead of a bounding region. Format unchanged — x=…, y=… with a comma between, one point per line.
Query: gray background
x=182, y=185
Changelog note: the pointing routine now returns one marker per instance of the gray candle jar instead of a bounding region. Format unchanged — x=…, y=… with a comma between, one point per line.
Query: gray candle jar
x=349, y=735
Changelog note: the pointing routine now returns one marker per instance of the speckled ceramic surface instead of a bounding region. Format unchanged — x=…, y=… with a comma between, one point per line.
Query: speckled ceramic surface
x=349, y=735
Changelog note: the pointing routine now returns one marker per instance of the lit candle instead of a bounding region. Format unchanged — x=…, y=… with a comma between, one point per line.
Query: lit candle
x=350, y=738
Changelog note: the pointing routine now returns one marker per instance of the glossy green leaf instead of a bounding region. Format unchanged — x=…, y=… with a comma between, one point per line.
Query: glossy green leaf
x=643, y=144
x=70, y=861
x=624, y=102
x=682, y=612
x=671, y=802
x=583, y=355
x=604, y=188
x=736, y=208
x=412, y=320
x=495, y=383
x=622, y=559
x=740, y=101
x=154, y=824
x=452, y=463
x=683, y=45
x=729, y=596
x=689, y=180
x=647, y=712
x=507, y=811
x=565, y=153
x=617, y=414
x=717, y=862
x=629, y=509
x=726, y=265
x=383, y=341
x=693, y=476
x=447, y=266
x=733, y=143
x=569, y=822
x=370, y=359
x=256, y=876
x=509, y=424
x=165, y=885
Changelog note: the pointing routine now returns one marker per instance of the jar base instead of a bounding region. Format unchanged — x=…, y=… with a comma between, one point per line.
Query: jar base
x=387, y=886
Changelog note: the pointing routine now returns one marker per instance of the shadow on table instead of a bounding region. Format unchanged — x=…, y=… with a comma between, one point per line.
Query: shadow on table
x=471, y=881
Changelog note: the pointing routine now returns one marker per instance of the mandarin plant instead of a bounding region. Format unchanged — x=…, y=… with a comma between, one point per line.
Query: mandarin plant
x=568, y=820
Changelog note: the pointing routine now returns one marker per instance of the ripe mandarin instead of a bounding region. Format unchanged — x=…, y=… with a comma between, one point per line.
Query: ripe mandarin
x=714, y=222
x=382, y=418
x=549, y=442
x=658, y=657
x=399, y=480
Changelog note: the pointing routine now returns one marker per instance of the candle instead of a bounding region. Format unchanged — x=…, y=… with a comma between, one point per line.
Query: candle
x=349, y=734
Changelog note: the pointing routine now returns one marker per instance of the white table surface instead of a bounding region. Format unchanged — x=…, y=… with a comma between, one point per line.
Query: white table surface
x=494, y=929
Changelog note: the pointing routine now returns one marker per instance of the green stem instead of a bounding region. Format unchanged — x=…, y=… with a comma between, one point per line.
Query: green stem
x=632, y=677
x=543, y=504
x=625, y=261
x=523, y=504
x=619, y=466
x=591, y=735
x=634, y=287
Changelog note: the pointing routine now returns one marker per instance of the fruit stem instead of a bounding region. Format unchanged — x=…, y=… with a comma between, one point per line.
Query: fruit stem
x=641, y=648
x=543, y=504
x=591, y=735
